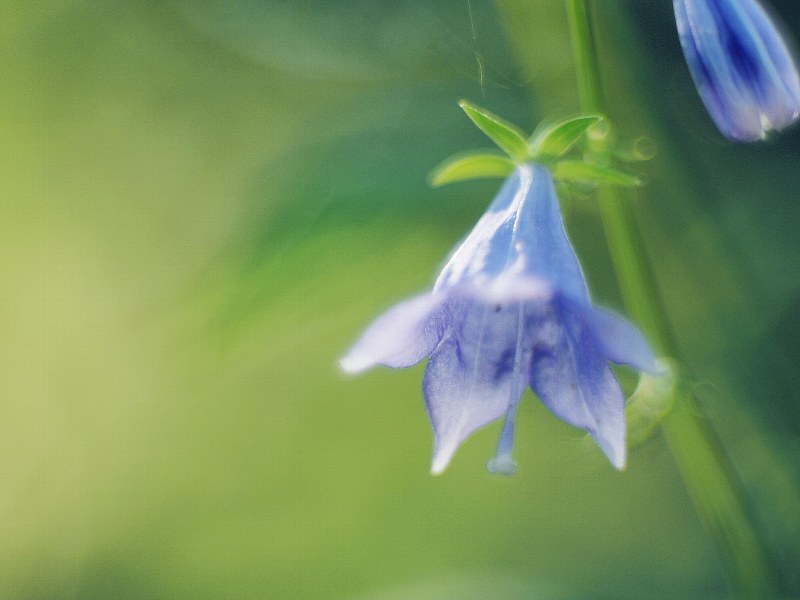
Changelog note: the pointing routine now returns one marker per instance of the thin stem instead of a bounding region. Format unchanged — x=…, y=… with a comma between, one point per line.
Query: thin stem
x=703, y=464
x=715, y=493
x=636, y=280
x=590, y=91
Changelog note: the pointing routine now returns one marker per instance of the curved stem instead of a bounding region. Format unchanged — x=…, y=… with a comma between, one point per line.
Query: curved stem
x=703, y=464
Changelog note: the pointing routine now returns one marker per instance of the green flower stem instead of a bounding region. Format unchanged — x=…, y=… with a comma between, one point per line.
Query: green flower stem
x=635, y=278
x=713, y=488
x=586, y=66
x=703, y=464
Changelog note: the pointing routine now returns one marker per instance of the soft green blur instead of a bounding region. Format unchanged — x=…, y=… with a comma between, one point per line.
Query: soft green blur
x=204, y=203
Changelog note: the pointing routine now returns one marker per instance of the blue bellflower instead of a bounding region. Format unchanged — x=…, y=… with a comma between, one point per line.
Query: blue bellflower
x=742, y=67
x=510, y=309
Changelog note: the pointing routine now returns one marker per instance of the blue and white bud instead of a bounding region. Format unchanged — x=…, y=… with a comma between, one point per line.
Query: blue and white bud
x=744, y=70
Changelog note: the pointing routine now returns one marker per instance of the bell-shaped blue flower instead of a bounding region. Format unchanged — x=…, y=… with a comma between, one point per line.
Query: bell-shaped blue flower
x=742, y=67
x=511, y=309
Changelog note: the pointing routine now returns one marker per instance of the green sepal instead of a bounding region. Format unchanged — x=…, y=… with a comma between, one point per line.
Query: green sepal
x=473, y=164
x=652, y=400
x=581, y=172
x=509, y=138
x=549, y=142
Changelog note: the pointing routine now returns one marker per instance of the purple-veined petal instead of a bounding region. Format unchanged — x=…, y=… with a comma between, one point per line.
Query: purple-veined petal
x=573, y=379
x=401, y=337
x=701, y=74
x=705, y=42
x=618, y=340
x=783, y=104
x=521, y=232
x=508, y=288
x=478, y=371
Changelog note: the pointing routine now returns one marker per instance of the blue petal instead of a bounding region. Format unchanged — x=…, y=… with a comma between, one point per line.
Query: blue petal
x=401, y=337
x=782, y=105
x=521, y=233
x=706, y=47
x=476, y=374
x=572, y=378
x=618, y=340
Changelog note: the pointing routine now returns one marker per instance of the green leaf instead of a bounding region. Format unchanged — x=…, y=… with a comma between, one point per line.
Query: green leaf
x=582, y=172
x=508, y=137
x=551, y=141
x=473, y=164
x=650, y=403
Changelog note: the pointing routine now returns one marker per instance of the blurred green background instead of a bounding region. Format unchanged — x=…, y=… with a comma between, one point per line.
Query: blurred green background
x=204, y=203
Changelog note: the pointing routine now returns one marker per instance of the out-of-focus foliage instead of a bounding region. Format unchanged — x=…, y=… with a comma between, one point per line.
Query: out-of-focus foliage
x=202, y=205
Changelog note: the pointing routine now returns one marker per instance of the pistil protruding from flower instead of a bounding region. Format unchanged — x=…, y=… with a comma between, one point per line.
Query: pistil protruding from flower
x=503, y=463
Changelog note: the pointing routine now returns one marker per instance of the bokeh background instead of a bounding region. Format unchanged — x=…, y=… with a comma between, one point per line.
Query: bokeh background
x=204, y=203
